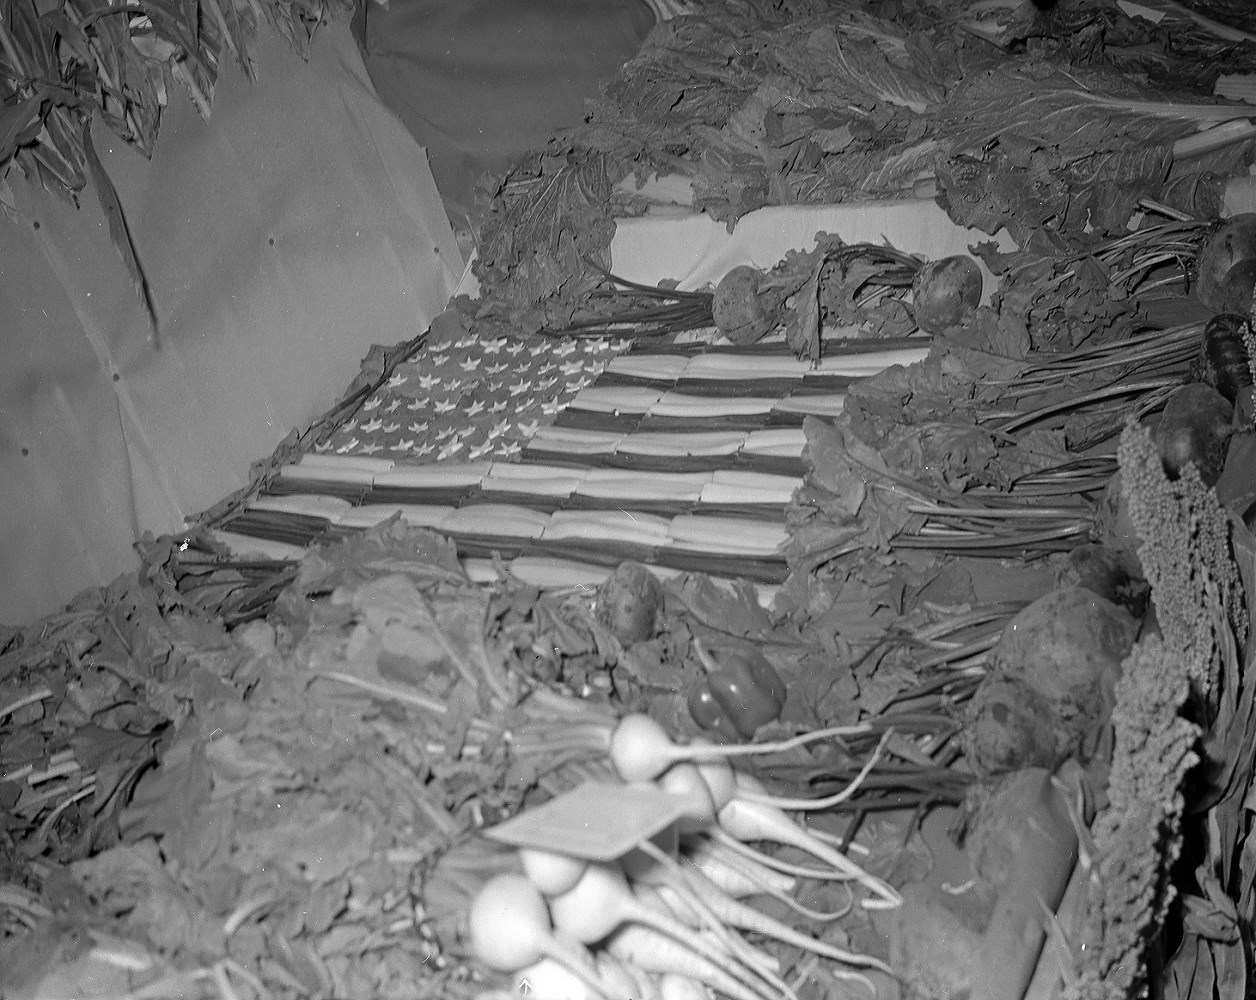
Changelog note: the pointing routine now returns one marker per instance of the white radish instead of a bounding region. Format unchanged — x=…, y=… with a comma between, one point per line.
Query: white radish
x=550, y=980
x=647, y=949
x=665, y=899
x=551, y=871
x=510, y=929
x=760, y=821
x=736, y=874
x=747, y=918
x=739, y=876
x=752, y=794
x=676, y=987
x=685, y=781
x=602, y=901
x=782, y=867
x=641, y=750
x=616, y=975
x=718, y=774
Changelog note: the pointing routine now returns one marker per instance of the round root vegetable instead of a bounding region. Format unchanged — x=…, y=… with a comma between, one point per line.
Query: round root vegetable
x=743, y=312
x=946, y=292
x=1225, y=270
x=630, y=603
x=1224, y=359
x=685, y=781
x=641, y=750
x=509, y=929
x=602, y=902
x=551, y=980
x=1194, y=427
x=1108, y=572
x=551, y=871
x=1050, y=686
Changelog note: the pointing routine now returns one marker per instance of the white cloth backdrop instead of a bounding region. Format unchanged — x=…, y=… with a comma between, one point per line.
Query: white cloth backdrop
x=283, y=237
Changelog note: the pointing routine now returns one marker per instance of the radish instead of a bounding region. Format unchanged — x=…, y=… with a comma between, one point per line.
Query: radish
x=748, y=853
x=551, y=980
x=550, y=871
x=717, y=774
x=946, y=292
x=620, y=977
x=676, y=987
x=641, y=750
x=685, y=781
x=737, y=914
x=602, y=901
x=666, y=900
x=763, y=821
x=735, y=873
x=509, y=928
x=648, y=949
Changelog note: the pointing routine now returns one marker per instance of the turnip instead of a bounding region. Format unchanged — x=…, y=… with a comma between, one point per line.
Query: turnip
x=685, y=781
x=946, y=292
x=677, y=987
x=1194, y=427
x=509, y=928
x=551, y=980
x=1225, y=270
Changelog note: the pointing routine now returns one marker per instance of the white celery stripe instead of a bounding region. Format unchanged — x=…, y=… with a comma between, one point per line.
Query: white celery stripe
x=776, y=441
x=665, y=367
x=731, y=493
x=828, y=405
x=313, y=504
x=436, y=475
x=676, y=404
x=522, y=470
x=608, y=525
x=740, y=366
x=328, y=474
x=871, y=362
x=509, y=520
x=558, y=486
x=757, y=480
x=734, y=535
x=616, y=399
x=574, y=441
x=329, y=460
x=683, y=443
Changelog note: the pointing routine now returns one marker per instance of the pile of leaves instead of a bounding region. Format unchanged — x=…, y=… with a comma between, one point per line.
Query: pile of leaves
x=1024, y=128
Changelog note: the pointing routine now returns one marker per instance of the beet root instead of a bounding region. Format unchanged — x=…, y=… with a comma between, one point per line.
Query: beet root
x=743, y=312
x=1195, y=426
x=946, y=292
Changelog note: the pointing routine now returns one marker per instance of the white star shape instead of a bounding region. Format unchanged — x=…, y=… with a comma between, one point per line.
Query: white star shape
x=475, y=407
x=372, y=425
x=444, y=405
x=371, y=449
x=418, y=428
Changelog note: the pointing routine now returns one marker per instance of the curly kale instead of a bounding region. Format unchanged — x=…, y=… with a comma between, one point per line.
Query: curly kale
x=1137, y=836
x=1185, y=553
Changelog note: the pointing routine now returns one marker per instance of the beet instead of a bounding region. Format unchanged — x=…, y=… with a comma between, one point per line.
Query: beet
x=945, y=292
x=1194, y=427
x=1225, y=270
x=1223, y=358
x=630, y=603
x=742, y=311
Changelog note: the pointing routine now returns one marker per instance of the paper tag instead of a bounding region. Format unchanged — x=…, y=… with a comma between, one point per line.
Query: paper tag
x=597, y=822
